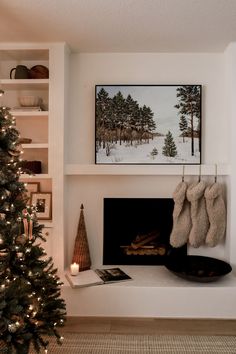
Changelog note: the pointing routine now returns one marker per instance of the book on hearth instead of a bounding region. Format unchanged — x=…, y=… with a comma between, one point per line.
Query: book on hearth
x=96, y=277
x=111, y=275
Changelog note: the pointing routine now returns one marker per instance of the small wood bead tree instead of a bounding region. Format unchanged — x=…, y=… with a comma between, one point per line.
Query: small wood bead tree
x=81, y=249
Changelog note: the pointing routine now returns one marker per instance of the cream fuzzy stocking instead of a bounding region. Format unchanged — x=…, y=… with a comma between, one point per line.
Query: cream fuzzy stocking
x=200, y=222
x=181, y=217
x=217, y=214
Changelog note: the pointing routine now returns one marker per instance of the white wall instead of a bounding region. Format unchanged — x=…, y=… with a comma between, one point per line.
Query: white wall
x=87, y=70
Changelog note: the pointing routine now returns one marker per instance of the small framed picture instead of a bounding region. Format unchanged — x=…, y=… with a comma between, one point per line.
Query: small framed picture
x=31, y=187
x=43, y=203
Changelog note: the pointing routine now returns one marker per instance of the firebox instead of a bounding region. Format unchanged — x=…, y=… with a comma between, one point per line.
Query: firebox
x=137, y=231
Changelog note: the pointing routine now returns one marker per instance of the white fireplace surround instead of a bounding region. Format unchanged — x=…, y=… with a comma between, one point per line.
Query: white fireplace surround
x=154, y=291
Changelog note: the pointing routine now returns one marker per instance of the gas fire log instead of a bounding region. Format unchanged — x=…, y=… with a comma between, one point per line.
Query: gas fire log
x=157, y=251
x=142, y=240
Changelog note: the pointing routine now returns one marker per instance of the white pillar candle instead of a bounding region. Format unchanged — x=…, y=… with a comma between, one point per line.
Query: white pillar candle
x=74, y=269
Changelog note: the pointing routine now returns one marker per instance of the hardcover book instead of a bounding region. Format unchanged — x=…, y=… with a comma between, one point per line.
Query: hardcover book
x=96, y=277
x=112, y=275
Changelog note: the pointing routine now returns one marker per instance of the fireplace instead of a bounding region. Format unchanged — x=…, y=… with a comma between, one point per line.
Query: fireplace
x=137, y=231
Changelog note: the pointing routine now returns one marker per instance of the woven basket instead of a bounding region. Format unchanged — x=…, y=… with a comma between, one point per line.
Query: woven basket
x=81, y=249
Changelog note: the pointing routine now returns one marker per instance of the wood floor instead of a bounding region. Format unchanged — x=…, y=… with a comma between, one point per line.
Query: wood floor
x=150, y=326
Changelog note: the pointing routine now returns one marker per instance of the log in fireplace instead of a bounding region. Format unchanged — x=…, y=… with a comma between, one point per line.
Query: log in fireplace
x=137, y=231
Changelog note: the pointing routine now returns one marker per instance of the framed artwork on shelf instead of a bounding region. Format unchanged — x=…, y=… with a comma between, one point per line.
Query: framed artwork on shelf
x=148, y=124
x=31, y=187
x=43, y=203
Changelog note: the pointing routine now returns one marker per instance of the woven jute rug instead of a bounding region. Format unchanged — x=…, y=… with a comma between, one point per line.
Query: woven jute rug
x=107, y=343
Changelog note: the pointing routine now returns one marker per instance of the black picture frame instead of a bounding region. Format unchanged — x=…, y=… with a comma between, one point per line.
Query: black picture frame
x=148, y=124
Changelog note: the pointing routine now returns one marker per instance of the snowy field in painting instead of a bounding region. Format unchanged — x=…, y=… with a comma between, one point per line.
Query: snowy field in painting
x=141, y=154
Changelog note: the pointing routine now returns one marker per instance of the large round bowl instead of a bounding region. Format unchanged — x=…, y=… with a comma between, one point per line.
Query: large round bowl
x=29, y=101
x=198, y=268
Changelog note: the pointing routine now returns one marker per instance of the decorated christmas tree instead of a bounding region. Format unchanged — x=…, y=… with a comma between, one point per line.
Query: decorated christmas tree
x=30, y=305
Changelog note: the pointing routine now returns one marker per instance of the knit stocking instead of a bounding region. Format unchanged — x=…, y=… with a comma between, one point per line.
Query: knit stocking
x=181, y=217
x=217, y=214
x=200, y=222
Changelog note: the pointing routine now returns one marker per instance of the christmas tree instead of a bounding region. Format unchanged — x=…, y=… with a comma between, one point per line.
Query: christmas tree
x=30, y=305
x=169, y=148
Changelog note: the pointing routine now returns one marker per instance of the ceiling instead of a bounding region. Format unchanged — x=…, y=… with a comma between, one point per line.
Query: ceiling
x=122, y=25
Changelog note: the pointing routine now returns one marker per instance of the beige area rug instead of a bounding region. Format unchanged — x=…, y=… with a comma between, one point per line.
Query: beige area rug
x=106, y=343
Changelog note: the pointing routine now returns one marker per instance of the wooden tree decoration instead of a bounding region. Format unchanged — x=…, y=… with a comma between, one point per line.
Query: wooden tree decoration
x=81, y=248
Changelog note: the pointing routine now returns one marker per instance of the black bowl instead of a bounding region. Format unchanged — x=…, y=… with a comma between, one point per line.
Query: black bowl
x=198, y=268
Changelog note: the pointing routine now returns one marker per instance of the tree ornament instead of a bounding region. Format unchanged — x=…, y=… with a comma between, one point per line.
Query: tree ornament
x=18, y=321
x=27, y=219
x=1, y=239
x=12, y=327
x=60, y=340
x=4, y=253
x=21, y=239
x=15, y=151
x=81, y=248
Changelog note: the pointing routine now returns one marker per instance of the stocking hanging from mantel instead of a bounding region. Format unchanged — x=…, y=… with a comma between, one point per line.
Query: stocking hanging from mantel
x=81, y=248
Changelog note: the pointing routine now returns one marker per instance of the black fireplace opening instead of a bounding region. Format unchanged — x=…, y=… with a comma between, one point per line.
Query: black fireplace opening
x=137, y=231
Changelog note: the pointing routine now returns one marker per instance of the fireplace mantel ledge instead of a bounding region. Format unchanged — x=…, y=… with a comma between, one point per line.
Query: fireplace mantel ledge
x=174, y=170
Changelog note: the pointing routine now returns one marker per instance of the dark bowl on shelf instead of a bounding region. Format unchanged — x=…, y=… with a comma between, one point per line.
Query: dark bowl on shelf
x=198, y=268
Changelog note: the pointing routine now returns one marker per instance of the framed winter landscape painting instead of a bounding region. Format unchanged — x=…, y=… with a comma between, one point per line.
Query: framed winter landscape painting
x=148, y=124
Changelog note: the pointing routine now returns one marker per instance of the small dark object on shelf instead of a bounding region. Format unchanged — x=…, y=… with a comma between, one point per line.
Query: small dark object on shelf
x=198, y=268
x=39, y=72
x=25, y=141
x=32, y=166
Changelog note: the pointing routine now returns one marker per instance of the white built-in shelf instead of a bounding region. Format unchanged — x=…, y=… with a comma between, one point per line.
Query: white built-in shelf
x=24, y=84
x=174, y=170
x=31, y=114
x=38, y=176
x=35, y=146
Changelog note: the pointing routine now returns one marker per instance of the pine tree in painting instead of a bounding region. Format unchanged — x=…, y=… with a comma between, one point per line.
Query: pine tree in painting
x=30, y=305
x=190, y=105
x=118, y=114
x=103, y=116
x=169, y=148
x=147, y=123
x=183, y=126
x=132, y=118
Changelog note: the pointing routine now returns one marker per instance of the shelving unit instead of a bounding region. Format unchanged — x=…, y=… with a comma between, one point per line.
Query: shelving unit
x=39, y=126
